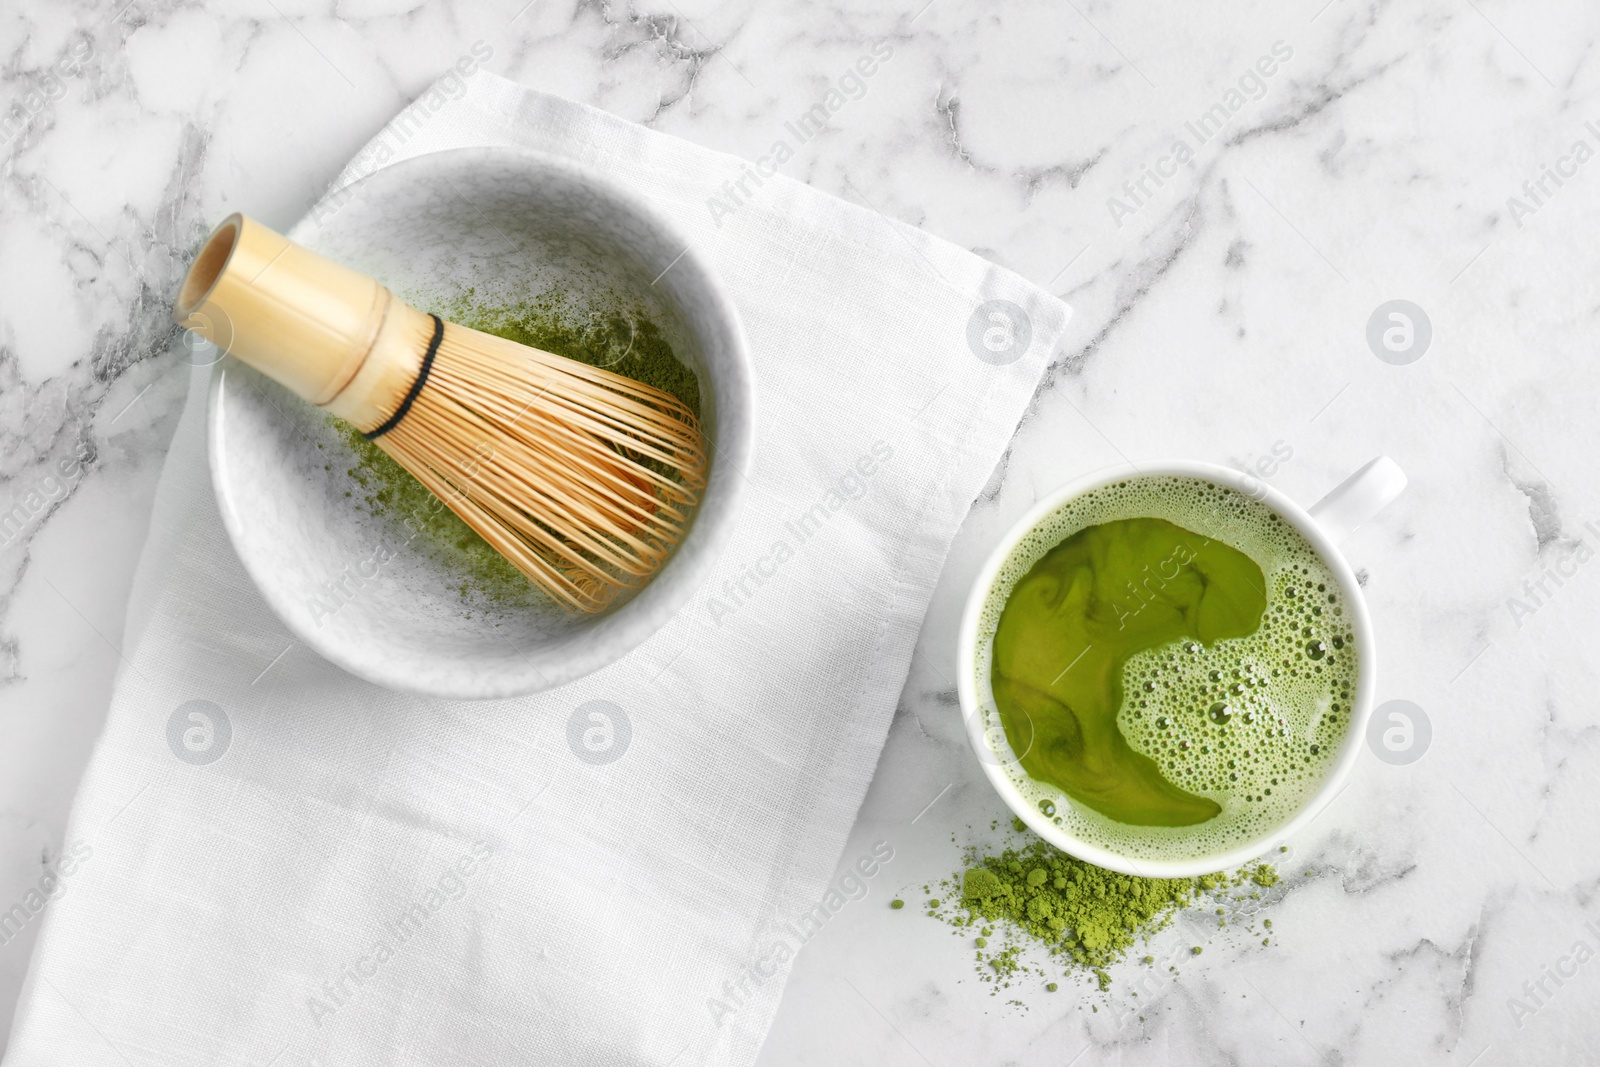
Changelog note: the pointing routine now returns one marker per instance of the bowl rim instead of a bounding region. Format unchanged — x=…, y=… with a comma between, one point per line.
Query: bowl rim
x=634, y=622
x=1333, y=783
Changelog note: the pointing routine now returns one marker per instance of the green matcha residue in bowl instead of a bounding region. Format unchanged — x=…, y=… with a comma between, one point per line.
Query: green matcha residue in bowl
x=629, y=344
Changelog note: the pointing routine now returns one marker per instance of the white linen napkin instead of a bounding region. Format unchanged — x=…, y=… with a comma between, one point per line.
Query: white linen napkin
x=270, y=861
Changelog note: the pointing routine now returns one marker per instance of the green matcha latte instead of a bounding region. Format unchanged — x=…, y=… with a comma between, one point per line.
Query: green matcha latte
x=1172, y=664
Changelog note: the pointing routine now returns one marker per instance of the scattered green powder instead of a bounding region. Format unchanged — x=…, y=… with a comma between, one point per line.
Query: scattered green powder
x=1093, y=919
x=422, y=519
x=627, y=344
x=1083, y=917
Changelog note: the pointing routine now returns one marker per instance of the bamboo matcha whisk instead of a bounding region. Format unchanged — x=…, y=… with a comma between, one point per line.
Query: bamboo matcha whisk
x=583, y=479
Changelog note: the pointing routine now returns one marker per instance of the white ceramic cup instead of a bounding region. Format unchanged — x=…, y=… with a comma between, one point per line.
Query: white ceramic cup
x=1324, y=525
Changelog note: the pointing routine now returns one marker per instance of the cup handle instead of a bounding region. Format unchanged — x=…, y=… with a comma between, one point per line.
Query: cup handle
x=1358, y=498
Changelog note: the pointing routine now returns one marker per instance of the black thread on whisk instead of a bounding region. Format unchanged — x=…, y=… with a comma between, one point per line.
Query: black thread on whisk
x=416, y=386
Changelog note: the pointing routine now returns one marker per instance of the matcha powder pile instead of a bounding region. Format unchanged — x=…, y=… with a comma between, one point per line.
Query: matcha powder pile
x=1083, y=917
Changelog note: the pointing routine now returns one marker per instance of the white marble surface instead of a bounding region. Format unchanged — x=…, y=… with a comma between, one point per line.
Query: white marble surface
x=1225, y=313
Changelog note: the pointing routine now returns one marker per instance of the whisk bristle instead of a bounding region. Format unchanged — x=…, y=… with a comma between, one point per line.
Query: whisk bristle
x=584, y=479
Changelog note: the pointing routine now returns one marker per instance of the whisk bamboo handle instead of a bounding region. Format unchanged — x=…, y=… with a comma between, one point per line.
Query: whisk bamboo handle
x=328, y=333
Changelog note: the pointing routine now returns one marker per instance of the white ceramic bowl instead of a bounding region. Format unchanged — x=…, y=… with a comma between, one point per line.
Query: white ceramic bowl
x=1324, y=525
x=505, y=226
